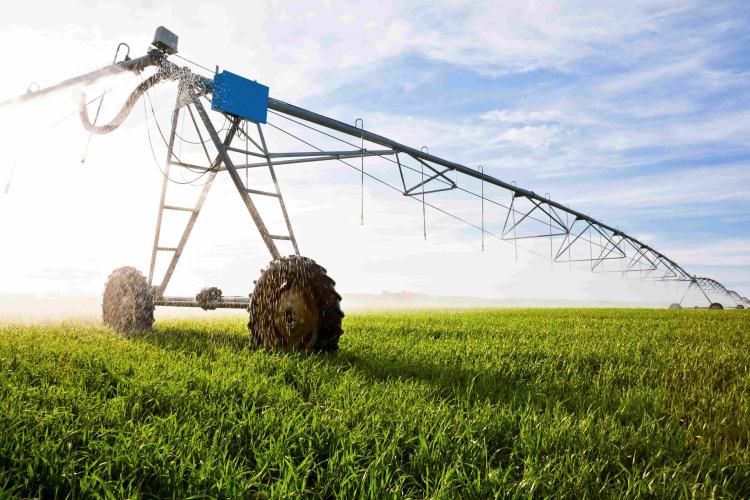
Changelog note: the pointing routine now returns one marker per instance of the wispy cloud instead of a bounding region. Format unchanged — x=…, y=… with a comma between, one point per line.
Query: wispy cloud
x=729, y=252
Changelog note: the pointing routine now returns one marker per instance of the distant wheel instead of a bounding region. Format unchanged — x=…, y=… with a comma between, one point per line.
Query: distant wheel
x=740, y=306
x=128, y=302
x=716, y=305
x=675, y=306
x=295, y=306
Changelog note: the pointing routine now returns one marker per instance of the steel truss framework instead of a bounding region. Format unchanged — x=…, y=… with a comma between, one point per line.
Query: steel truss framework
x=573, y=237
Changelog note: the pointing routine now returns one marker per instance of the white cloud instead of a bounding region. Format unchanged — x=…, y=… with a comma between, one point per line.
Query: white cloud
x=697, y=188
x=642, y=78
x=520, y=116
x=534, y=137
x=726, y=252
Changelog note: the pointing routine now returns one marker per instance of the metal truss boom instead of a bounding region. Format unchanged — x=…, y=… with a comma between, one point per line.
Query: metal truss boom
x=552, y=219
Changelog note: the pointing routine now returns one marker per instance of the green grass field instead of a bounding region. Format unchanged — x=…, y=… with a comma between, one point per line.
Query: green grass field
x=571, y=403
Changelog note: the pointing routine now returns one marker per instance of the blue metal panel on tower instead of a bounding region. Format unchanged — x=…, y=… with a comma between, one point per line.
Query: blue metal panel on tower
x=240, y=96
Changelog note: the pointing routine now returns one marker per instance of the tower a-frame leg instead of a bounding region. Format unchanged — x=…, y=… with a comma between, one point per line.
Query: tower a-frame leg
x=235, y=176
x=278, y=195
x=190, y=101
x=194, y=212
x=695, y=283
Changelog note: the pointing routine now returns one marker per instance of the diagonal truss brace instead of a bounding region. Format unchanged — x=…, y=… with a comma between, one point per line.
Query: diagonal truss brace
x=221, y=162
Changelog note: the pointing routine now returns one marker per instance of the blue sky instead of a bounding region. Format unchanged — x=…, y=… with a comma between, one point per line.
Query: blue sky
x=640, y=117
x=635, y=112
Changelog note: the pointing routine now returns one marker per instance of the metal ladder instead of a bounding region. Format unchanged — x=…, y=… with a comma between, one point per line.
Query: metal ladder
x=221, y=162
x=276, y=193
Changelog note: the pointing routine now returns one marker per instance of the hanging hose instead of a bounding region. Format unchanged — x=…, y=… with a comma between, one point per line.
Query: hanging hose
x=124, y=112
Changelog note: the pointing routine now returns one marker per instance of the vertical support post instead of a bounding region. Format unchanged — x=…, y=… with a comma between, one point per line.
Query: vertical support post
x=362, y=171
x=640, y=271
x=686, y=291
x=513, y=215
x=551, y=260
x=401, y=172
x=703, y=292
x=247, y=156
x=622, y=260
x=424, y=212
x=568, y=229
x=481, y=169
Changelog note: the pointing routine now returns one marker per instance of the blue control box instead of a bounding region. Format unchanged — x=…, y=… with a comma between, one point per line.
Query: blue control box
x=239, y=96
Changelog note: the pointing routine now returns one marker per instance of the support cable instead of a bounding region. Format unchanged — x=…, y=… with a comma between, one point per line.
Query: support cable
x=481, y=169
x=101, y=99
x=511, y=208
x=247, y=157
x=397, y=163
x=395, y=188
x=515, y=239
x=424, y=213
x=362, y=171
x=193, y=62
x=420, y=172
x=195, y=143
x=551, y=260
x=203, y=143
x=158, y=165
x=53, y=125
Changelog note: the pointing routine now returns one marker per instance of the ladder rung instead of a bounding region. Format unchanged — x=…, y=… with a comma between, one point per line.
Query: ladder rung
x=246, y=152
x=264, y=193
x=181, y=209
x=167, y=249
x=277, y=237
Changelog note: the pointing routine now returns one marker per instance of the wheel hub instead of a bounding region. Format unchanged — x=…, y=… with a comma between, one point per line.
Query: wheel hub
x=294, y=306
x=296, y=317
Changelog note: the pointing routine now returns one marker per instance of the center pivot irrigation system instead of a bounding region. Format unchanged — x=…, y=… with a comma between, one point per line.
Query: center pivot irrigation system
x=294, y=303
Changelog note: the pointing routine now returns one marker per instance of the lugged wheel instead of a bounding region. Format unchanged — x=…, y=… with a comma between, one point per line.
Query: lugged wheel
x=675, y=306
x=740, y=306
x=128, y=302
x=295, y=306
x=716, y=305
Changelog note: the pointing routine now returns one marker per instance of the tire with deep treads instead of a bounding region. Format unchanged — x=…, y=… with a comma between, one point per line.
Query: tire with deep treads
x=295, y=306
x=128, y=302
x=716, y=305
